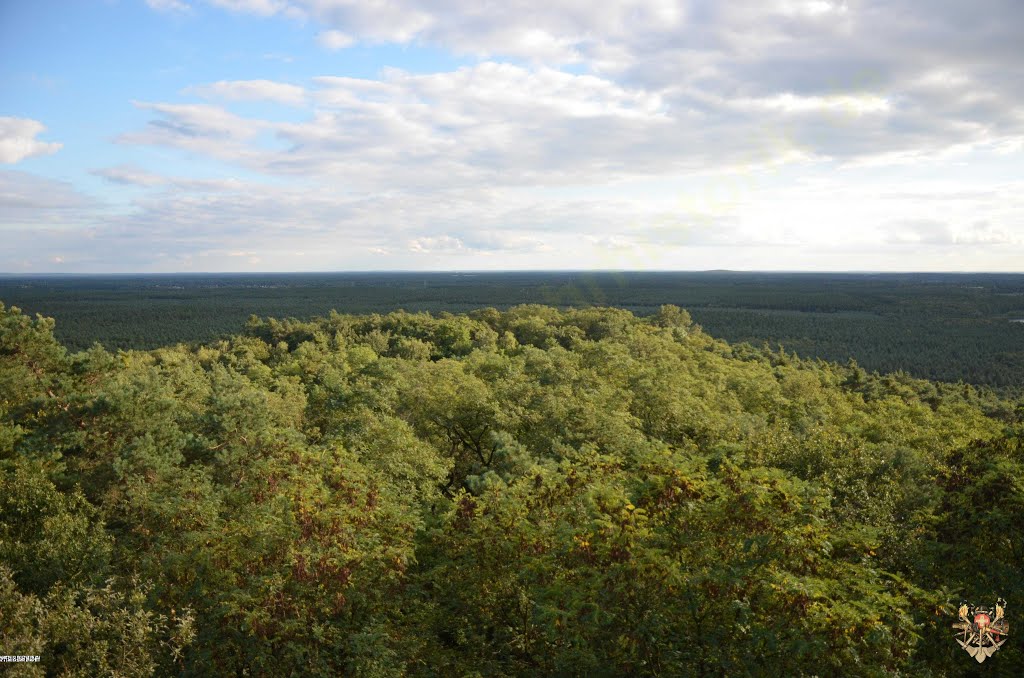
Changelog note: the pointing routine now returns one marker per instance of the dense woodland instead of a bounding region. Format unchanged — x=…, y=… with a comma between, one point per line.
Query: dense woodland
x=502, y=493
x=946, y=327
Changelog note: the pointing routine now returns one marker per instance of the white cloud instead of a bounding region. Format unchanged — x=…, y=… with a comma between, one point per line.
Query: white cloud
x=683, y=128
x=200, y=120
x=335, y=40
x=612, y=242
x=443, y=243
x=169, y=5
x=952, y=232
x=32, y=203
x=827, y=225
x=475, y=241
x=667, y=87
x=812, y=8
x=843, y=104
x=468, y=127
x=24, y=191
x=202, y=129
x=259, y=7
x=18, y=140
x=129, y=175
x=252, y=90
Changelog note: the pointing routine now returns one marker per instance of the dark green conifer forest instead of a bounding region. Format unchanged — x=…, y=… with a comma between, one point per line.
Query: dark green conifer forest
x=941, y=326
x=524, y=492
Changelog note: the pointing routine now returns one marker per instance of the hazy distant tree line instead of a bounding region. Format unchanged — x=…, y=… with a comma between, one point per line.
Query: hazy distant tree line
x=501, y=493
x=936, y=326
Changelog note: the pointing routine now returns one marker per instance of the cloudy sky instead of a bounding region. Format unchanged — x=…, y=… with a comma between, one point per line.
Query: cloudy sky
x=284, y=135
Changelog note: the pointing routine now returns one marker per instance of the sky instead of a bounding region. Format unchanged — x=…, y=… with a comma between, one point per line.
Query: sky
x=345, y=135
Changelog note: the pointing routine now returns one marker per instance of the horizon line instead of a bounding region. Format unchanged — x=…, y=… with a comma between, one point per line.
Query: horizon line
x=72, y=274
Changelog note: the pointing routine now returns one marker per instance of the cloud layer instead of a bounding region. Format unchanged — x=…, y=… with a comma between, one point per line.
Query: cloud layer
x=666, y=85
x=629, y=133
x=18, y=140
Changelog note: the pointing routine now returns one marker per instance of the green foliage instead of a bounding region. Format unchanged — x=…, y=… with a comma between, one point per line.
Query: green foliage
x=85, y=632
x=48, y=536
x=520, y=492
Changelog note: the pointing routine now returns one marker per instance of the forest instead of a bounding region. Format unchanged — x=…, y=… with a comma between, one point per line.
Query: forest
x=519, y=492
x=939, y=326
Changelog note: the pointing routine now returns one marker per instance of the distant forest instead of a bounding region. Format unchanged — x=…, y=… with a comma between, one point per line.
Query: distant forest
x=945, y=327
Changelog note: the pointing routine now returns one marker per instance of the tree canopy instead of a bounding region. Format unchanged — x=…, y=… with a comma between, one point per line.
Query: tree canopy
x=503, y=493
